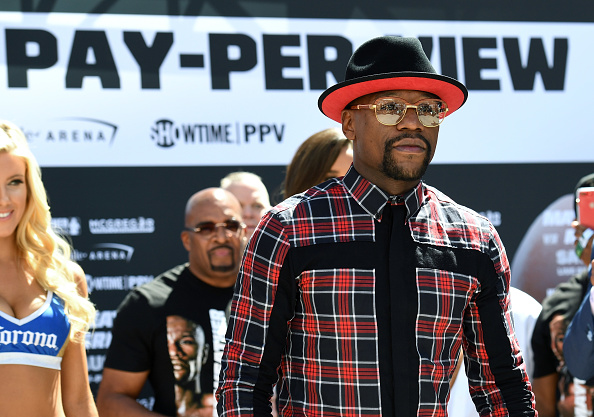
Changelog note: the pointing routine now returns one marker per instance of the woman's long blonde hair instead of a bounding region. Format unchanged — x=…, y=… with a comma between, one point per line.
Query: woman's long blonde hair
x=45, y=253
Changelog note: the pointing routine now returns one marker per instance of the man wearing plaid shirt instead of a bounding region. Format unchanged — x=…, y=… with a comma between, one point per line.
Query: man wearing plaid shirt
x=356, y=296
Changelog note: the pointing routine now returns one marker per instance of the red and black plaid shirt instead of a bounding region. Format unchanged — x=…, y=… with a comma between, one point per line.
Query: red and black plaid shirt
x=361, y=301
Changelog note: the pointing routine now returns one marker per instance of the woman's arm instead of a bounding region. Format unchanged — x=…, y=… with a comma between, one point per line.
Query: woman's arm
x=76, y=393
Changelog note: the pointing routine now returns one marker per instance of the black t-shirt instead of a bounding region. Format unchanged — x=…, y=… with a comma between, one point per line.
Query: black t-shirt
x=140, y=331
x=565, y=300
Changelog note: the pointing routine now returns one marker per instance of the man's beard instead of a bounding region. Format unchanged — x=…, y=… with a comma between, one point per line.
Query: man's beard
x=223, y=268
x=390, y=167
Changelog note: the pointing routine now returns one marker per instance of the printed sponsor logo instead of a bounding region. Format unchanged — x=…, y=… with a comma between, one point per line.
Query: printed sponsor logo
x=74, y=131
x=105, y=252
x=493, y=216
x=104, y=319
x=67, y=225
x=122, y=226
x=15, y=337
x=98, y=339
x=166, y=133
x=114, y=283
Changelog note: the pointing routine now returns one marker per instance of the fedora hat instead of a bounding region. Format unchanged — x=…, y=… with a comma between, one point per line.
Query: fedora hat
x=390, y=63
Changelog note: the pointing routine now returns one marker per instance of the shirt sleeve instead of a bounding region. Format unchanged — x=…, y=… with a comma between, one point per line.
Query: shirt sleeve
x=496, y=371
x=250, y=319
x=578, y=346
x=130, y=345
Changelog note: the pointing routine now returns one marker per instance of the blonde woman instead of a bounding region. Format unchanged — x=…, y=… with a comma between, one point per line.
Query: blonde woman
x=44, y=309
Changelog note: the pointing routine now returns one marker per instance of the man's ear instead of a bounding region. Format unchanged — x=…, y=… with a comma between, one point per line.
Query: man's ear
x=185, y=238
x=348, y=124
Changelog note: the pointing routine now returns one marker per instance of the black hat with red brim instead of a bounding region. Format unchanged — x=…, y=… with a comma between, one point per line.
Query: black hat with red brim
x=390, y=63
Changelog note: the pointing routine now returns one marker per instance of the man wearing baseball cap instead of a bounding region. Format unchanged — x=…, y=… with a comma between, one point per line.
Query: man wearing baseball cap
x=358, y=294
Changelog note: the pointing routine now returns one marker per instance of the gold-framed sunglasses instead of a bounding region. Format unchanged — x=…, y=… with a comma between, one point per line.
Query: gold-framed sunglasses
x=208, y=229
x=390, y=111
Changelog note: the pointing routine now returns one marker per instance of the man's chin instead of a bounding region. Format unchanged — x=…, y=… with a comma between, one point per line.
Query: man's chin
x=222, y=268
x=222, y=263
x=404, y=173
x=405, y=176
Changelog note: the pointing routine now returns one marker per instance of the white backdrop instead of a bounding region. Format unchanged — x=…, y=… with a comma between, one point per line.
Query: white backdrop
x=249, y=123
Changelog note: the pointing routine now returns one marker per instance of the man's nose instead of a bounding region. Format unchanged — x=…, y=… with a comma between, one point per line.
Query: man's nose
x=221, y=233
x=173, y=348
x=410, y=120
x=248, y=212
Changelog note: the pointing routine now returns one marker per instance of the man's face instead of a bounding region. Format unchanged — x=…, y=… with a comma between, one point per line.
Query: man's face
x=400, y=152
x=254, y=203
x=183, y=348
x=557, y=328
x=215, y=258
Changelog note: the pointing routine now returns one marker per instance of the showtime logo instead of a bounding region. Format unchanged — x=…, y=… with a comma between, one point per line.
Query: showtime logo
x=166, y=134
x=115, y=283
x=66, y=225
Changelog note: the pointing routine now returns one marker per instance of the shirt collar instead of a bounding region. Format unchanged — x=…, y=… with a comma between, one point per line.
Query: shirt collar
x=373, y=199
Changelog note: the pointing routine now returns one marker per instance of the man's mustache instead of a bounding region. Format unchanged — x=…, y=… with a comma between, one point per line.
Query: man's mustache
x=221, y=247
x=408, y=135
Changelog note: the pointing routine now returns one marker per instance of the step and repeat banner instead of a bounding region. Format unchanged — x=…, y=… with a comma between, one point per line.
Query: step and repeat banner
x=131, y=114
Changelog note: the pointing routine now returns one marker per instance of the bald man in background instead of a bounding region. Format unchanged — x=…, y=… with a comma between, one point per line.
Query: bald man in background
x=149, y=344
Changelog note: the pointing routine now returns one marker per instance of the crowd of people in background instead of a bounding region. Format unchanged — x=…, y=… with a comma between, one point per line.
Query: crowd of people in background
x=248, y=312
